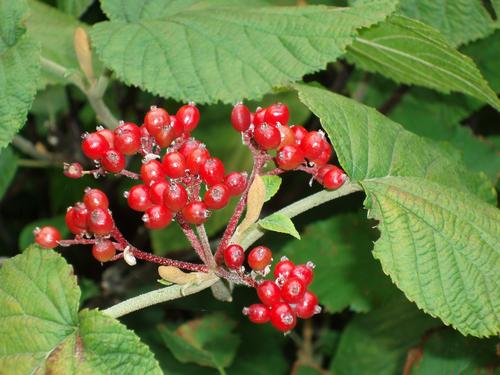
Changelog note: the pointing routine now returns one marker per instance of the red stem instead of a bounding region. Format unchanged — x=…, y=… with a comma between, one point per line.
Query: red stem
x=193, y=239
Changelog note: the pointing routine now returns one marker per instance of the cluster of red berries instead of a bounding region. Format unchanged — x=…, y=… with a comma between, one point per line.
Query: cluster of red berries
x=285, y=298
x=294, y=145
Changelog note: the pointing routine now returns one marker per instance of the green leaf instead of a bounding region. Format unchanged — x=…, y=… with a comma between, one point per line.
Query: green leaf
x=208, y=341
x=39, y=294
x=8, y=166
x=410, y=52
x=377, y=343
x=273, y=184
x=448, y=352
x=74, y=7
x=279, y=223
x=19, y=69
x=346, y=275
x=208, y=51
x=437, y=239
x=460, y=21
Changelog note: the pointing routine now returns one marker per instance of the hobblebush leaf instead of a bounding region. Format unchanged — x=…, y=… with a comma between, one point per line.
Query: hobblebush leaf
x=224, y=50
x=439, y=241
x=273, y=184
x=8, y=166
x=43, y=332
x=19, y=69
x=74, y=7
x=408, y=51
x=460, y=21
x=279, y=223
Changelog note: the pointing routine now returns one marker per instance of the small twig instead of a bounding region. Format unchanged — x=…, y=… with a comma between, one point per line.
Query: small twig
x=192, y=238
x=394, y=100
x=28, y=148
x=205, y=244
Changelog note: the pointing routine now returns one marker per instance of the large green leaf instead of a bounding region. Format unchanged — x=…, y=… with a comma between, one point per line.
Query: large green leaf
x=460, y=21
x=43, y=332
x=8, y=166
x=377, y=343
x=439, y=242
x=346, y=275
x=408, y=51
x=224, y=50
x=19, y=69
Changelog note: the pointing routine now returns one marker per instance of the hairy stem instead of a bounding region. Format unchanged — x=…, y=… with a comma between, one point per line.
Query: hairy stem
x=192, y=238
x=205, y=244
x=28, y=148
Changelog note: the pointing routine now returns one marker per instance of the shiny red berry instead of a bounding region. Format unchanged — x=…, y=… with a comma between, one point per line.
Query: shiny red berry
x=292, y=289
x=307, y=306
x=303, y=272
x=94, y=146
x=155, y=119
x=195, y=213
x=257, y=313
x=268, y=292
x=189, y=116
x=312, y=145
x=196, y=159
x=138, y=198
x=100, y=221
x=189, y=146
x=169, y=132
x=157, y=217
x=175, y=197
x=212, y=171
x=241, y=117
x=217, y=197
x=127, y=138
x=95, y=198
x=267, y=136
x=47, y=236
x=236, y=183
x=283, y=317
x=73, y=170
x=299, y=133
x=258, y=118
x=157, y=190
x=289, y=157
x=283, y=268
x=103, y=250
x=277, y=114
x=152, y=171
x=174, y=165
x=334, y=178
x=259, y=258
x=71, y=222
x=234, y=256
x=113, y=161
x=325, y=155
x=323, y=171
x=108, y=135
x=287, y=136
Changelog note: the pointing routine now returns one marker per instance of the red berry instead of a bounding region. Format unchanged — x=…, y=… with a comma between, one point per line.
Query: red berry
x=304, y=272
x=189, y=116
x=174, y=165
x=287, y=136
x=103, y=250
x=175, y=197
x=292, y=290
x=307, y=306
x=334, y=178
x=277, y=114
x=289, y=157
x=157, y=217
x=241, y=117
x=236, y=183
x=196, y=159
x=195, y=213
x=212, y=171
x=152, y=171
x=169, y=132
x=138, y=198
x=325, y=155
x=323, y=171
x=100, y=221
x=268, y=292
x=234, y=256
x=257, y=313
x=299, y=133
x=47, y=236
x=73, y=170
x=312, y=145
x=128, y=138
x=267, y=136
x=157, y=190
x=217, y=197
x=71, y=223
x=283, y=317
x=94, y=146
x=283, y=268
x=259, y=258
x=155, y=119
x=258, y=118
x=95, y=198
x=189, y=146
x=109, y=136
x=113, y=161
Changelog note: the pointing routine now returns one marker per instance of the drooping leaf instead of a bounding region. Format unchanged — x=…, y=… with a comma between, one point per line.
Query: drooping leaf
x=377, y=343
x=74, y=7
x=8, y=166
x=42, y=330
x=346, y=274
x=279, y=223
x=460, y=21
x=410, y=52
x=19, y=69
x=224, y=50
x=273, y=184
